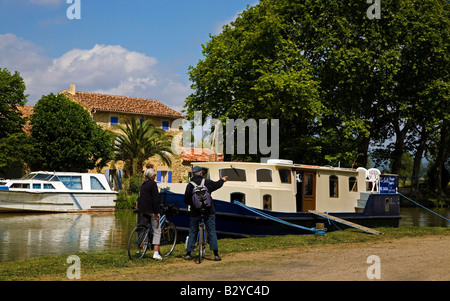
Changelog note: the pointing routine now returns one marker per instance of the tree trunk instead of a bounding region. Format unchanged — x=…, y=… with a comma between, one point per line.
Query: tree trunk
x=440, y=160
x=399, y=146
x=418, y=163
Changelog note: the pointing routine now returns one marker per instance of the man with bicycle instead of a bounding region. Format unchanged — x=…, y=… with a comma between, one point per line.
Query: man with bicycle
x=209, y=213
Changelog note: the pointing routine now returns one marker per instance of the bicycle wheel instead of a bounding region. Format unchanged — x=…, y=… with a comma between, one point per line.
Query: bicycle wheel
x=201, y=244
x=168, y=238
x=138, y=242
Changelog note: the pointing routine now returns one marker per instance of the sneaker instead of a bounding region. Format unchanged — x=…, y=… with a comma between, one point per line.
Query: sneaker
x=187, y=257
x=217, y=258
x=157, y=256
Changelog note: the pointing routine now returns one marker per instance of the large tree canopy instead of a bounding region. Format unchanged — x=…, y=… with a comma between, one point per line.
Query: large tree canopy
x=66, y=138
x=12, y=89
x=338, y=81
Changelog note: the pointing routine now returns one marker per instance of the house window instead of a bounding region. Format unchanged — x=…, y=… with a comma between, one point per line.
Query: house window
x=264, y=175
x=165, y=125
x=114, y=120
x=352, y=184
x=285, y=175
x=267, y=202
x=334, y=184
x=164, y=176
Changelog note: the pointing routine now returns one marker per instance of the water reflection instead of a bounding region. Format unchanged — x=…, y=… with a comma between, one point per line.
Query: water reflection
x=416, y=216
x=30, y=235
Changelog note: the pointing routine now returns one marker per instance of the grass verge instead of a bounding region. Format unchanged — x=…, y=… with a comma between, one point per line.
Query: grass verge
x=110, y=262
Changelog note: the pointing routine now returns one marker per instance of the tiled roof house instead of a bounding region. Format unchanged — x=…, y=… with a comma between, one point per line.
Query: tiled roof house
x=108, y=110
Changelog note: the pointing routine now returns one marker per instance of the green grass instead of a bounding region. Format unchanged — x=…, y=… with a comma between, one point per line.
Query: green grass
x=55, y=268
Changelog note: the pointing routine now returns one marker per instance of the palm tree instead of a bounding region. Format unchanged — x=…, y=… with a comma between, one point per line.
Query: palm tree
x=139, y=141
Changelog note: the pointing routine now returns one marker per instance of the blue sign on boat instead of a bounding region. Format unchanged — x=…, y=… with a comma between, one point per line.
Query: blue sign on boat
x=388, y=184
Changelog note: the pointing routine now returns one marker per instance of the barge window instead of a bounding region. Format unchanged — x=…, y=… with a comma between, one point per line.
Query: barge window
x=308, y=178
x=36, y=186
x=237, y=196
x=352, y=184
x=334, y=184
x=71, y=182
x=267, y=202
x=233, y=174
x=96, y=185
x=264, y=175
x=285, y=175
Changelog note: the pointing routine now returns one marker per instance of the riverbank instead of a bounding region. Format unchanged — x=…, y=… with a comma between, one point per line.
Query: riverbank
x=408, y=253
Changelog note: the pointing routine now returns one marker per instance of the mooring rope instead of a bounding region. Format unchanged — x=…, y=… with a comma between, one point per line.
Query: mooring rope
x=423, y=206
x=273, y=218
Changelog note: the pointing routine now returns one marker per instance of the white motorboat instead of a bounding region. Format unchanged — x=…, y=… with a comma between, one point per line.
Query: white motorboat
x=57, y=192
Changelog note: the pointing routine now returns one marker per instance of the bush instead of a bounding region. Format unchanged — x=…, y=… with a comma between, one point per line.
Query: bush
x=135, y=183
x=125, y=200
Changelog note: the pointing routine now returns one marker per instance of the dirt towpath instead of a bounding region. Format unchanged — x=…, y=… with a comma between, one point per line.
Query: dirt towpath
x=405, y=259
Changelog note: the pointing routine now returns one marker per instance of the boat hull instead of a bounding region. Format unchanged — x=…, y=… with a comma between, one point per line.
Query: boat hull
x=381, y=210
x=22, y=201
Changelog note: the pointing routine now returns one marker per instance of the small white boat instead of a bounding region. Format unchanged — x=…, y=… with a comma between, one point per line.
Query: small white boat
x=57, y=192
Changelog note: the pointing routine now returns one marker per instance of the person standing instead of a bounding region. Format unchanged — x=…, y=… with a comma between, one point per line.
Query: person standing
x=210, y=213
x=149, y=203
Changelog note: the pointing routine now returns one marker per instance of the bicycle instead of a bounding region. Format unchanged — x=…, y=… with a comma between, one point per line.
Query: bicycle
x=142, y=235
x=202, y=236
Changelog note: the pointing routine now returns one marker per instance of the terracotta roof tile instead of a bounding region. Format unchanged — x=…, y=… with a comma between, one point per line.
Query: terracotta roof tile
x=199, y=155
x=115, y=103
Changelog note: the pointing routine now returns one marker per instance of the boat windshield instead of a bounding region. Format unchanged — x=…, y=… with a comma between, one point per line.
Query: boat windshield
x=38, y=176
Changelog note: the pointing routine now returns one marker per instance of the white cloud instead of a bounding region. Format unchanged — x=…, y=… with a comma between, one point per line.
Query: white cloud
x=109, y=69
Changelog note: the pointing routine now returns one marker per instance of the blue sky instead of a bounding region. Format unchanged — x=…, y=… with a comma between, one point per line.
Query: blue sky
x=139, y=48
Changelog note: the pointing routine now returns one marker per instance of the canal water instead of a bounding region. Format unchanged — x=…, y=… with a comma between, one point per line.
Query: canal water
x=31, y=235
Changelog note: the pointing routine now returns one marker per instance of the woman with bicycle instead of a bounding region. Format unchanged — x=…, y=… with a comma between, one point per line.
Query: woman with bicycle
x=149, y=203
x=209, y=213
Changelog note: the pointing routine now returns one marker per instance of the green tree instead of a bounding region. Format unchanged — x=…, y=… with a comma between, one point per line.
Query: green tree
x=14, y=143
x=66, y=138
x=337, y=80
x=255, y=70
x=12, y=89
x=138, y=141
x=16, y=150
x=406, y=167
